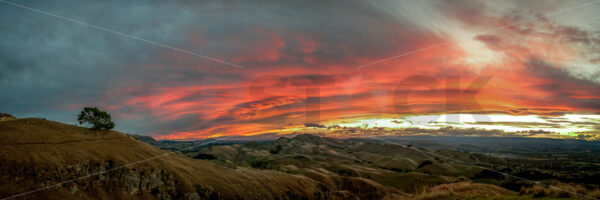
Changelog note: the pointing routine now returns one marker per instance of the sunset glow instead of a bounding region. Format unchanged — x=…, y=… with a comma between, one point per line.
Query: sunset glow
x=505, y=66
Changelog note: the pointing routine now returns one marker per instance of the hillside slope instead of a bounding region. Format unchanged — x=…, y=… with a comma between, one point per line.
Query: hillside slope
x=408, y=170
x=37, y=153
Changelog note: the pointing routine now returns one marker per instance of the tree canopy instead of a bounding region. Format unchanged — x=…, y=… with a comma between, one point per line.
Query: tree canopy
x=100, y=120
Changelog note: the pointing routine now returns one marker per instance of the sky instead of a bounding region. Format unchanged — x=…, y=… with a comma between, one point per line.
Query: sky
x=198, y=69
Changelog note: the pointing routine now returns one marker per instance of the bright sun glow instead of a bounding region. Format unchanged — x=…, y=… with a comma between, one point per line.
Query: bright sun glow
x=510, y=123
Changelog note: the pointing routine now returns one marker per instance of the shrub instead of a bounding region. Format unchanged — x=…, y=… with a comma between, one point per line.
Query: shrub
x=262, y=163
x=425, y=163
x=276, y=150
x=204, y=156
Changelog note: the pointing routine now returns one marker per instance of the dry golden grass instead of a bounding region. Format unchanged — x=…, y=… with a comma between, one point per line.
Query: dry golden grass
x=566, y=190
x=462, y=190
x=6, y=117
x=37, y=145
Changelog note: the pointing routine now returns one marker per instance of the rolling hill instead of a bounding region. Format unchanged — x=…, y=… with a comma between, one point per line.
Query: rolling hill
x=43, y=159
x=412, y=172
x=59, y=161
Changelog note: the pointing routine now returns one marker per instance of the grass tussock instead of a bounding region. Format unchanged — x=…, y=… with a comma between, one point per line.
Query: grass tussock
x=462, y=190
x=560, y=190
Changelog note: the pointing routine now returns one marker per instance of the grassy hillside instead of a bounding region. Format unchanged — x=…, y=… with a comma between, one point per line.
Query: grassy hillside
x=419, y=172
x=410, y=171
x=38, y=153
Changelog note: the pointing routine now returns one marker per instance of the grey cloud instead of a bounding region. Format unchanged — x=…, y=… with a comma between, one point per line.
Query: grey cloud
x=564, y=86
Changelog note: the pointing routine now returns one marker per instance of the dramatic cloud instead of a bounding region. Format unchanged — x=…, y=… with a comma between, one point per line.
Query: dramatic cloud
x=307, y=65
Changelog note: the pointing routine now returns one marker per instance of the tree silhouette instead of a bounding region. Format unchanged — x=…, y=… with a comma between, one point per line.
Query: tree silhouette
x=99, y=119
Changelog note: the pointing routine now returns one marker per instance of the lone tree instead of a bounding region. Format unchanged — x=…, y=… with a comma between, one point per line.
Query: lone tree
x=99, y=119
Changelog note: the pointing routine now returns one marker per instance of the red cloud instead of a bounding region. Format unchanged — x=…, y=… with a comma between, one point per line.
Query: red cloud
x=288, y=90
